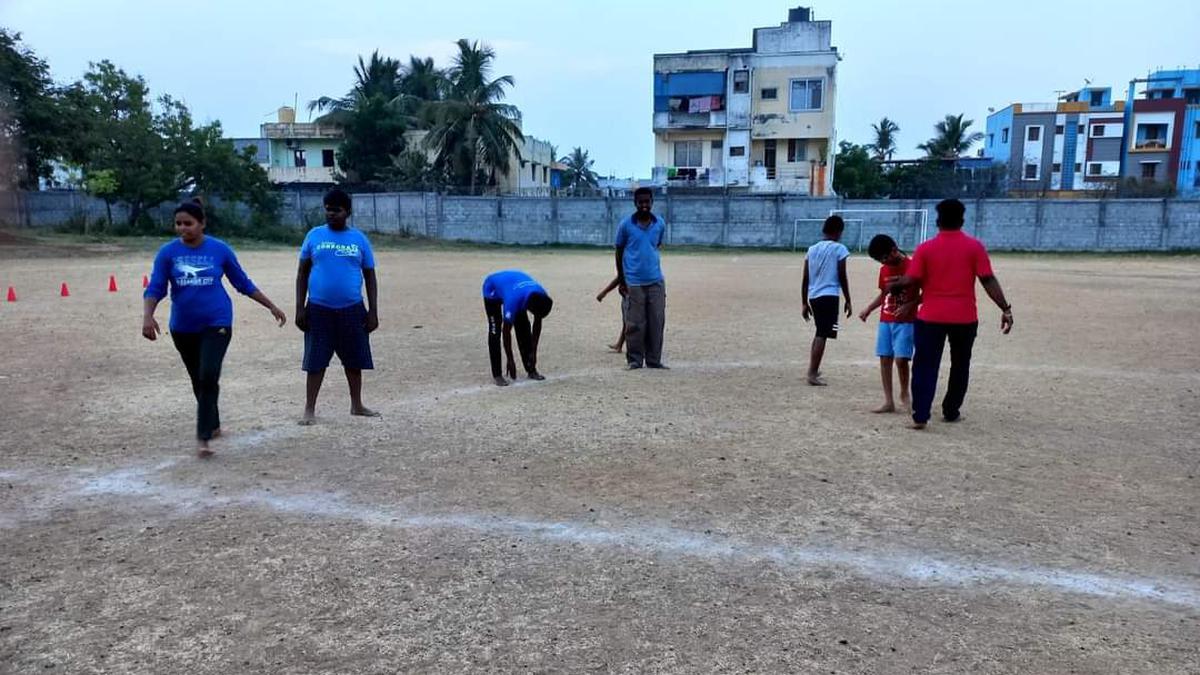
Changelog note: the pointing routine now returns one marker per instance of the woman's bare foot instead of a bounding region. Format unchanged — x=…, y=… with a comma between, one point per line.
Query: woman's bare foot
x=364, y=411
x=918, y=425
x=905, y=404
x=202, y=450
x=309, y=419
x=816, y=381
x=885, y=408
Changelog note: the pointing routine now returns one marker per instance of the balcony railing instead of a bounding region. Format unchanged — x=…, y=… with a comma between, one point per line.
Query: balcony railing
x=301, y=130
x=300, y=174
x=681, y=120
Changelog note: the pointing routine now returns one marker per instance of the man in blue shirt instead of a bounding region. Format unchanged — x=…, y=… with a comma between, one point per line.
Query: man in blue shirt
x=335, y=262
x=639, y=270
x=507, y=296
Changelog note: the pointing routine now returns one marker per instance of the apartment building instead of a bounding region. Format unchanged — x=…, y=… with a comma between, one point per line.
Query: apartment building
x=756, y=119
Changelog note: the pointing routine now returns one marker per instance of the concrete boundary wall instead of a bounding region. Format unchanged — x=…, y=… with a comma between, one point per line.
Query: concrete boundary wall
x=771, y=221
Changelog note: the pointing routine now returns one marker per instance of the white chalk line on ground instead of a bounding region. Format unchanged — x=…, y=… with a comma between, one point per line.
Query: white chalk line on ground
x=888, y=567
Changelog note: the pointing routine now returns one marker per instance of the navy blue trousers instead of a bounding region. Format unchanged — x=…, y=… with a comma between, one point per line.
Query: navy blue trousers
x=930, y=339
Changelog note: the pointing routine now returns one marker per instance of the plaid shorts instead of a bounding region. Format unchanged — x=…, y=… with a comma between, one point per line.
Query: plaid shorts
x=337, y=331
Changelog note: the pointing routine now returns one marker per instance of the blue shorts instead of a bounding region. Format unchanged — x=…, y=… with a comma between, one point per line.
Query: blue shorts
x=337, y=331
x=894, y=340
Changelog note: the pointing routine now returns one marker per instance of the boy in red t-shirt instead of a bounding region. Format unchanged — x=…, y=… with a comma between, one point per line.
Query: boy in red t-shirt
x=894, y=340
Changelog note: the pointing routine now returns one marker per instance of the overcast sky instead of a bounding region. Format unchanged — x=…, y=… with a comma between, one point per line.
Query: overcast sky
x=583, y=69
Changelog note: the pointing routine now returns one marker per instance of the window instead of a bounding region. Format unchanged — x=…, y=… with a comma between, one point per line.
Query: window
x=1078, y=167
x=1097, y=98
x=737, y=151
x=770, y=94
x=327, y=158
x=1151, y=137
x=299, y=159
x=1095, y=169
x=807, y=95
x=1056, y=168
x=1191, y=96
x=1097, y=131
x=1059, y=130
x=545, y=175
x=991, y=140
x=741, y=82
x=1197, y=129
x=689, y=153
x=797, y=150
x=1196, y=180
x=1081, y=130
x=716, y=146
x=1149, y=170
x=1004, y=135
x=1031, y=172
x=533, y=172
x=1033, y=134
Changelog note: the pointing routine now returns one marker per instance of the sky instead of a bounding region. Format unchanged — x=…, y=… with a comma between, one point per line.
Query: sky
x=583, y=69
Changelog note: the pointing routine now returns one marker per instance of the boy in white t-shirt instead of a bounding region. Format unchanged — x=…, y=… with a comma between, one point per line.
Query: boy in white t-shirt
x=824, y=275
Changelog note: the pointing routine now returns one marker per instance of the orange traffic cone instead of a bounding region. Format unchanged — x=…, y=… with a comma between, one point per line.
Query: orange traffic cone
x=64, y=291
x=145, y=281
x=12, y=294
x=112, y=283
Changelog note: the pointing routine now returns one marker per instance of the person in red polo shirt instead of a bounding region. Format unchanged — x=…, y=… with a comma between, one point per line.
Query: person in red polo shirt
x=946, y=268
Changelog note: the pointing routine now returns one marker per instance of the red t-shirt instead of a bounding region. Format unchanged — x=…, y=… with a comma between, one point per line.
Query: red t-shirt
x=891, y=303
x=946, y=268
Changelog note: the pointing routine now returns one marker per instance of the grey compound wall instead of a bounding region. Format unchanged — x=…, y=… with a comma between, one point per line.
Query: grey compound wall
x=771, y=221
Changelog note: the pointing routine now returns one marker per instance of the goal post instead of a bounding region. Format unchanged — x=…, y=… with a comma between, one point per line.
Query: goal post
x=894, y=222
x=807, y=231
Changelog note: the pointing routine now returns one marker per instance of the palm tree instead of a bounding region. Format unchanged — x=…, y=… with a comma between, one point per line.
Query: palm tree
x=372, y=116
x=578, y=173
x=952, y=140
x=473, y=131
x=379, y=77
x=885, y=139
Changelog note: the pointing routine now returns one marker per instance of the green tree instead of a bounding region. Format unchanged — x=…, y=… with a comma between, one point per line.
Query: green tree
x=102, y=183
x=579, y=175
x=474, y=134
x=32, y=124
x=153, y=156
x=858, y=174
x=952, y=139
x=372, y=117
x=885, y=139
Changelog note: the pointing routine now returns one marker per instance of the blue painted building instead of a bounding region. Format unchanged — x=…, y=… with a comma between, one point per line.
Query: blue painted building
x=1164, y=122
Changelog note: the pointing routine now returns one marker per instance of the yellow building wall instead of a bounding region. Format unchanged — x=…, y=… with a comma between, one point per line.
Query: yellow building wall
x=773, y=119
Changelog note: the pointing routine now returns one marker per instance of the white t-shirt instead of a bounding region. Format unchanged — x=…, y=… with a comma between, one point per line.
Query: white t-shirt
x=823, y=258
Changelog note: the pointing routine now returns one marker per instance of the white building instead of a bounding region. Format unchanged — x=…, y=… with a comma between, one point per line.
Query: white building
x=759, y=119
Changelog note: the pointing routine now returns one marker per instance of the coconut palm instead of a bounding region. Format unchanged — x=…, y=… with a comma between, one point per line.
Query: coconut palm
x=578, y=173
x=378, y=77
x=473, y=132
x=885, y=139
x=952, y=140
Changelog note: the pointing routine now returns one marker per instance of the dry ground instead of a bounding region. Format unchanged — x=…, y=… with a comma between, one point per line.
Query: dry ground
x=718, y=517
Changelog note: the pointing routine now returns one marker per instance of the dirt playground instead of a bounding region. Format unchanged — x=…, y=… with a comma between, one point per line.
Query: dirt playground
x=721, y=516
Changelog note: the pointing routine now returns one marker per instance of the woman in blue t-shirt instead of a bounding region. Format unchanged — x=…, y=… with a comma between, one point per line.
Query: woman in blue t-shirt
x=201, y=312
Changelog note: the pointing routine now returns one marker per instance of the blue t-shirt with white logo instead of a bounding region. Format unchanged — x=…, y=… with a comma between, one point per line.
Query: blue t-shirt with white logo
x=640, y=260
x=198, y=298
x=513, y=288
x=338, y=259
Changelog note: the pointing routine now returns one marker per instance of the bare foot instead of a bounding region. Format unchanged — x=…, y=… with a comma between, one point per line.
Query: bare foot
x=309, y=419
x=816, y=381
x=202, y=450
x=500, y=381
x=364, y=411
x=885, y=408
x=918, y=425
x=905, y=404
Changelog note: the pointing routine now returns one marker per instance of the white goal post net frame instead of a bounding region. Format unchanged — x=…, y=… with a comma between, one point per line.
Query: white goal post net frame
x=923, y=216
x=818, y=222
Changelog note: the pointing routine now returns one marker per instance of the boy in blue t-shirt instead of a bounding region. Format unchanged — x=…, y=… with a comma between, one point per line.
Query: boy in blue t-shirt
x=640, y=279
x=336, y=261
x=507, y=296
x=824, y=276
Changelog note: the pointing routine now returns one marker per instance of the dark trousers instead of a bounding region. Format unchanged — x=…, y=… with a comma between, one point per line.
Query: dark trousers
x=645, y=321
x=930, y=339
x=494, y=309
x=202, y=355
